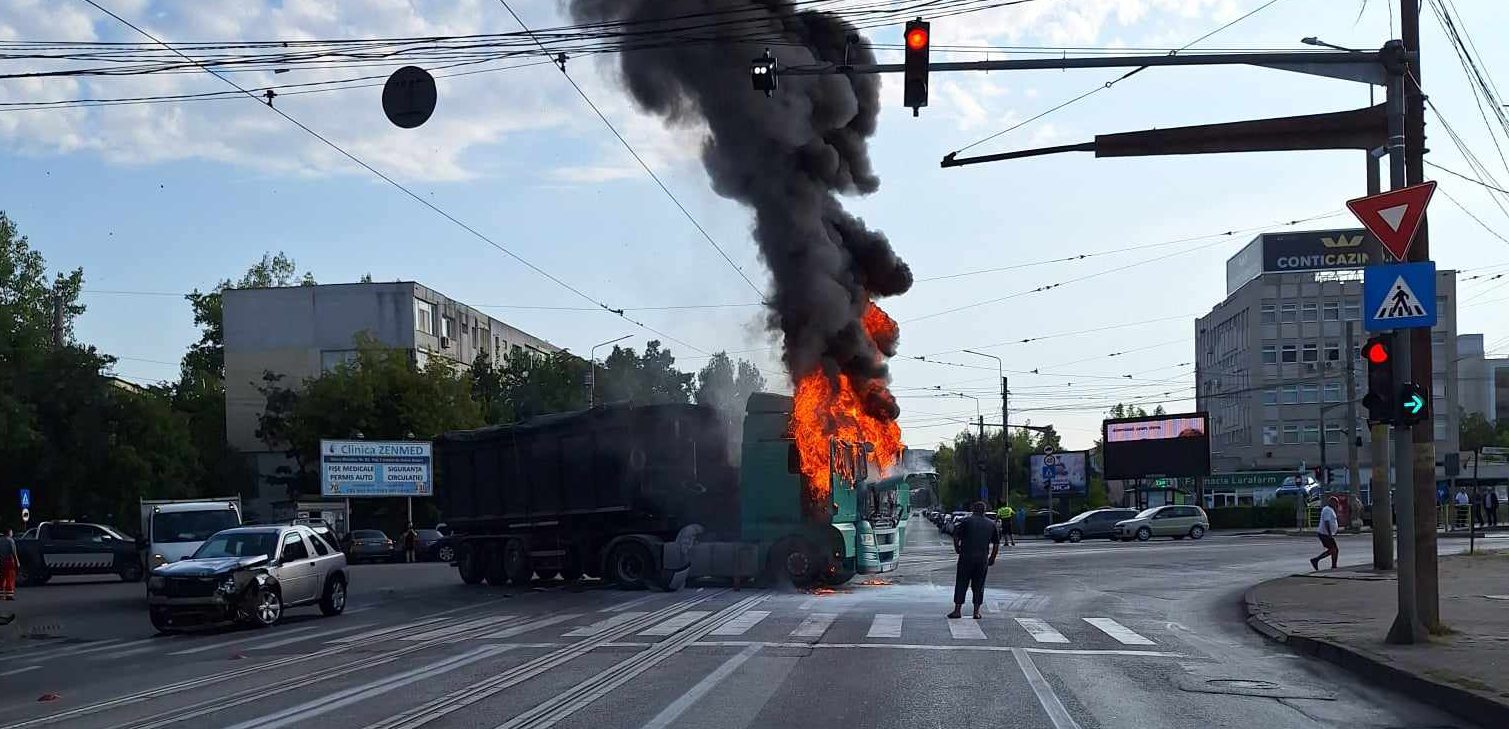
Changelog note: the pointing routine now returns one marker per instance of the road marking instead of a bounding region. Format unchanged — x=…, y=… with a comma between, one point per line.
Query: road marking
x=1118, y=631
x=41, y=653
x=235, y=641
x=583, y=694
x=23, y=669
x=604, y=625
x=742, y=624
x=461, y=627
x=1041, y=631
x=807, y=604
x=521, y=629
x=346, y=697
x=931, y=647
x=1045, y=696
x=814, y=626
x=677, y=623
x=885, y=626
x=301, y=638
x=426, y=623
x=636, y=602
x=678, y=707
x=123, y=654
x=966, y=629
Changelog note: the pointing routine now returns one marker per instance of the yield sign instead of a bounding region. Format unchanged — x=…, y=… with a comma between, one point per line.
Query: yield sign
x=1394, y=216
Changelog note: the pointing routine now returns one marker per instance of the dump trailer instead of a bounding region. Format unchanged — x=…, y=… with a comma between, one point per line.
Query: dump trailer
x=648, y=496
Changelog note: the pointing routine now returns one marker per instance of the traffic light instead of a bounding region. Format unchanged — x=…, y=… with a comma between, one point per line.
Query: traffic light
x=1380, y=399
x=918, y=41
x=762, y=74
x=1414, y=404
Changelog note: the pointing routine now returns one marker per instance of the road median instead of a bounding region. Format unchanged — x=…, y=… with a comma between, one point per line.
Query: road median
x=1341, y=616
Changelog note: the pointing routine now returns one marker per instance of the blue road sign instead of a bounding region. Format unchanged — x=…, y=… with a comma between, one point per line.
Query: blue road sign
x=1399, y=296
x=26, y=498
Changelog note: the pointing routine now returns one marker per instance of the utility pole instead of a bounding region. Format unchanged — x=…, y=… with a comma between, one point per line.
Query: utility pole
x=983, y=489
x=1354, y=480
x=1005, y=447
x=1423, y=453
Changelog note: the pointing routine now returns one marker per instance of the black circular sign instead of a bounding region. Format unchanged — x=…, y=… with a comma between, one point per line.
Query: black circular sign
x=408, y=98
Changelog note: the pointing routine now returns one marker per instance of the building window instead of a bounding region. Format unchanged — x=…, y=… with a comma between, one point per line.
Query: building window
x=1309, y=311
x=1310, y=353
x=1332, y=391
x=1289, y=394
x=1351, y=310
x=1309, y=393
x=1290, y=353
x=1440, y=429
x=1268, y=314
x=1270, y=435
x=1333, y=351
x=1289, y=313
x=1333, y=433
x=1291, y=434
x=1331, y=311
x=447, y=326
x=1270, y=354
x=1270, y=397
x=333, y=358
x=497, y=348
x=424, y=316
x=1312, y=433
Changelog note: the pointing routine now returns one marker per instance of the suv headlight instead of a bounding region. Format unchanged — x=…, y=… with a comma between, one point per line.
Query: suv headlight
x=159, y=560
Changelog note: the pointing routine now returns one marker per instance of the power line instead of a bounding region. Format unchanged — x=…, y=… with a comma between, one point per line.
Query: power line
x=635, y=154
x=1454, y=173
x=478, y=234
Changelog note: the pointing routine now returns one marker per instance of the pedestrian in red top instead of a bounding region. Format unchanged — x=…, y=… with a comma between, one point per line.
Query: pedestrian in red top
x=10, y=561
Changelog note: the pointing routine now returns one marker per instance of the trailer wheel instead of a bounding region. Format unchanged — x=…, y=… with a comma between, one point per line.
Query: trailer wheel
x=630, y=565
x=492, y=565
x=469, y=564
x=516, y=562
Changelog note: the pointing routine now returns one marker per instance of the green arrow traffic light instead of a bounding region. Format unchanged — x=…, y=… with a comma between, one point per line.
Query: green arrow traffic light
x=1414, y=404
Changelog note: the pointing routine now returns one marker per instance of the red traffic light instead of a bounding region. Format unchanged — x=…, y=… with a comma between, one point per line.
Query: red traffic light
x=916, y=39
x=1376, y=353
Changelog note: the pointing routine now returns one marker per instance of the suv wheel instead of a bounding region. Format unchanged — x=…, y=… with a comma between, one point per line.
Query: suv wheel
x=161, y=620
x=1075, y=536
x=445, y=553
x=334, y=601
x=266, y=608
x=1196, y=531
x=1144, y=534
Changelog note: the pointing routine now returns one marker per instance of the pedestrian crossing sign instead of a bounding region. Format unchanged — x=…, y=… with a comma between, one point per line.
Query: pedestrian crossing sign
x=1399, y=296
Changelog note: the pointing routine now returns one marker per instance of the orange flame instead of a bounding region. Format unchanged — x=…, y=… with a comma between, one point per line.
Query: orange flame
x=834, y=408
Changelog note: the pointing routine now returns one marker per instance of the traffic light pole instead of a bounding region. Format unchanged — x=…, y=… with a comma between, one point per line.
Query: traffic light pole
x=1407, y=627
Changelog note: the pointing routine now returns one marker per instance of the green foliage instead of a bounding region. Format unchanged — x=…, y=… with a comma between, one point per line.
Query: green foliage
x=1476, y=432
x=725, y=386
x=648, y=378
x=553, y=383
x=959, y=465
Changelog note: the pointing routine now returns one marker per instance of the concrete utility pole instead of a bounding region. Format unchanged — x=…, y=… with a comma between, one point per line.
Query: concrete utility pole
x=1354, y=480
x=1005, y=433
x=1427, y=586
x=1383, y=501
x=983, y=488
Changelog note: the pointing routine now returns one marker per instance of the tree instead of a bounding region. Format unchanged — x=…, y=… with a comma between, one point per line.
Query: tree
x=720, y=387
x=1476, y=432
x=648, y=378
x=379, y=395
x=553, y=383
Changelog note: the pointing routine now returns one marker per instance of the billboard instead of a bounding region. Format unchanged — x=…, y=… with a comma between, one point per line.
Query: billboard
x=1307, y=250
x=1058, y=474
x=1157, y=445
x=358, y=468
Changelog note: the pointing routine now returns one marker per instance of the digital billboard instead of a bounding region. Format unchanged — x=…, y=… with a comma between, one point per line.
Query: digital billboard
x=1157, y=445
x=1059, y=474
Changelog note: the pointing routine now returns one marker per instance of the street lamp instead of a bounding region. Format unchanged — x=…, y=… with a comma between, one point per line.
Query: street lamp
x=592, y=364
x=1005, y=431
x=1313, y=41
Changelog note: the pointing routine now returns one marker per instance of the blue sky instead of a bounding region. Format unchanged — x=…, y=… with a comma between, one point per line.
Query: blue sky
x=163, y=198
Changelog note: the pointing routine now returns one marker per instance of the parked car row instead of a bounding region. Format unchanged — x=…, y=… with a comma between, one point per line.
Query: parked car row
x=1171, y=520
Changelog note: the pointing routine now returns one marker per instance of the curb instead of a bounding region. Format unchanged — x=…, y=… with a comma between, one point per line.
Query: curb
x=1457, y=701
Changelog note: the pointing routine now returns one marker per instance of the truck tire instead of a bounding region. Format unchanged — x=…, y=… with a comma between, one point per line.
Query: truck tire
x=630, y=565
x=516, y=562
x=469, y=563
x=839, y=577
x=492, y=565
x=793, y=562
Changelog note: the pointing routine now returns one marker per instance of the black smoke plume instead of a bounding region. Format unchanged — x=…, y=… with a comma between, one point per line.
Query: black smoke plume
x=787, y=157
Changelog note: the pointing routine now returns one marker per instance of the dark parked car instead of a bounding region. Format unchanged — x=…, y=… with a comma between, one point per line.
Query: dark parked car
x=433, y=546
x=371, y=545
x=1094, y=524
x=74, y=548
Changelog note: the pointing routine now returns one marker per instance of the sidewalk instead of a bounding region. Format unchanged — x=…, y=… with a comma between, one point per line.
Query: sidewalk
x=1343, y=616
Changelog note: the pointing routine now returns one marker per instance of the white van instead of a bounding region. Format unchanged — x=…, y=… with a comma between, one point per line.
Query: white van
x=173, y=530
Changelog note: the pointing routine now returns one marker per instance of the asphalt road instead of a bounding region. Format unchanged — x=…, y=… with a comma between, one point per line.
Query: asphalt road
x=1097, y=634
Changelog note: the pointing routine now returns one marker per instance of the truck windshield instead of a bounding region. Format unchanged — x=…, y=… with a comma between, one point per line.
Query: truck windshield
x=238, y=545
x=191, y=526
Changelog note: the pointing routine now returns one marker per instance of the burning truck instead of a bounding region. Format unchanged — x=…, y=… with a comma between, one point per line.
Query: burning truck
x=647, y=496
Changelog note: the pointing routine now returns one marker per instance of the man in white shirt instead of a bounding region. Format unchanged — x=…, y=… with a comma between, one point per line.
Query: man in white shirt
x=1327, y=533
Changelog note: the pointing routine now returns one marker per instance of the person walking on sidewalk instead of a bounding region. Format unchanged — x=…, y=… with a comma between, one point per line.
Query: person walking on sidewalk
x=1327, y=533
x=10, y=561
x=978, y=543
x=1491, y=505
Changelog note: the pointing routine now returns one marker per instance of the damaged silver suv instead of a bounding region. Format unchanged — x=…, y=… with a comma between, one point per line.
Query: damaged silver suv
x=250, y=575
